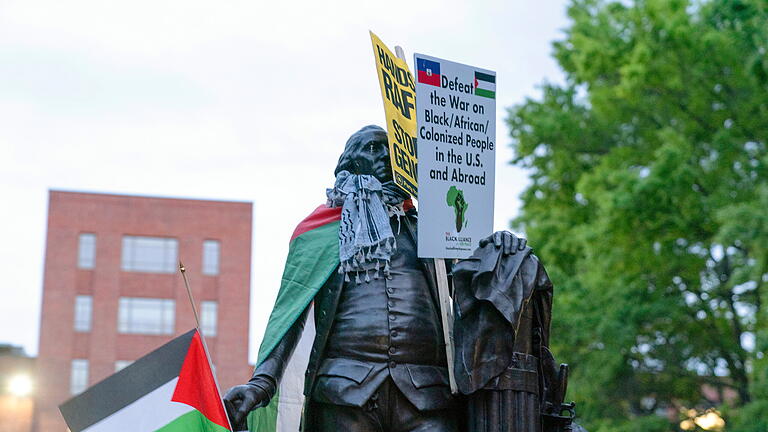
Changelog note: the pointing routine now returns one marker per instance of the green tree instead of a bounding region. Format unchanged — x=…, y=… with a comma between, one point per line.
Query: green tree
x=648, y=203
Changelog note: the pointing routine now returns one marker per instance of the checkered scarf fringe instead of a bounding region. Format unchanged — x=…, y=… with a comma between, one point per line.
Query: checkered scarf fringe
x=366, y=240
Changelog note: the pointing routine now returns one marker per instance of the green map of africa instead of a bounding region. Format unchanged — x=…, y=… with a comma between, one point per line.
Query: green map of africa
x=455, y=198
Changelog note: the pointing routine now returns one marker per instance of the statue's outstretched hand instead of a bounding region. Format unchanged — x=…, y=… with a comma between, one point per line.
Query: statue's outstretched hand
x=242, y=399
x=506, y=240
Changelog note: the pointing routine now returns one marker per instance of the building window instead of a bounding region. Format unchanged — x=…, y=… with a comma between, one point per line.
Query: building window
x=78, y=377
x=122, y=364
x=150, y=254
x=146, y=316
x=83, y=313
x=86, y=251
x=209, y=313
x=211, y=252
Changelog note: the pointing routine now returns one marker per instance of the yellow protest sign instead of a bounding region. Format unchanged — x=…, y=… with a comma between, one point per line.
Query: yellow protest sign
x=398, y=91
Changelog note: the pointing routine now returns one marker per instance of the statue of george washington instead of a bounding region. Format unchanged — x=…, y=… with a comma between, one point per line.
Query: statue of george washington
x=377, y=359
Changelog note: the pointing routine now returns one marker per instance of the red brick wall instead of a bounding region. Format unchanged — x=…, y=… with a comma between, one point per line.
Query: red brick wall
x=111, y=217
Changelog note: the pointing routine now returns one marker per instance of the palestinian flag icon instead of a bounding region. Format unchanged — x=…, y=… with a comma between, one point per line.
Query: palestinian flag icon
x=170, y=389
x=485, y=85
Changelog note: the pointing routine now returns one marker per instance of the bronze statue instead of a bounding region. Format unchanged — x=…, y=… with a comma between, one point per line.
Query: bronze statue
x=378, y=360
x=502, y=362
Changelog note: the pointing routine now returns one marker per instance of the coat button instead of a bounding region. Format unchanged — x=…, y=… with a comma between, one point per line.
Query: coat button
x=392, y=350
x=392, y=364
x=391, y=317
x=393, y=333
x=323, y=313
x=391, y=290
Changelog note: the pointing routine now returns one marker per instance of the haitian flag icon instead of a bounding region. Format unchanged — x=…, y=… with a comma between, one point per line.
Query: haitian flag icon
x=428, y=71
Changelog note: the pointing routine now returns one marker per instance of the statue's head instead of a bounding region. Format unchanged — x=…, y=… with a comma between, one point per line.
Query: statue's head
x=367, y=152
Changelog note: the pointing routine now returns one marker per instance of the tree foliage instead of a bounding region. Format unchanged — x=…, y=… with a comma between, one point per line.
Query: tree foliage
x=648, y=204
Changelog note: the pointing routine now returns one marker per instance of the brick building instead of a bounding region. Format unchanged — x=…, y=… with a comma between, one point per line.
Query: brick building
x=112, y=291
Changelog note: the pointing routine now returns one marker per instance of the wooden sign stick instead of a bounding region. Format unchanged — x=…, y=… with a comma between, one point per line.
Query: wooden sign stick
x=443, y=290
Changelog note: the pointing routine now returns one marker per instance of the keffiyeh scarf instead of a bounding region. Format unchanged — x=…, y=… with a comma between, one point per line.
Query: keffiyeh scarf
x=366, y=240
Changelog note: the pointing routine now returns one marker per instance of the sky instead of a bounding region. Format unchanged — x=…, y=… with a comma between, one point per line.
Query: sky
x=235, y=100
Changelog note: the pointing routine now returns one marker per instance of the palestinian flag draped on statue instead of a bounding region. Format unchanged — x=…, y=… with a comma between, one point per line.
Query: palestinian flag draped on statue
x=313, y=255
x=171, y=389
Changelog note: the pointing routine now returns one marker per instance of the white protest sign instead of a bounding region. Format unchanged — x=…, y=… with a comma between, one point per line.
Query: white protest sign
x=456, y=133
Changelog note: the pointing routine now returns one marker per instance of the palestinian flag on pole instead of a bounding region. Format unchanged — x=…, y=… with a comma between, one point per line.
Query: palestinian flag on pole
x=313, y=255
x=485, y=85
x=170, y=389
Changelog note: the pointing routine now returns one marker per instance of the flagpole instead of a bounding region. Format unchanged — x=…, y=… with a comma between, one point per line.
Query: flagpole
x=183, y=271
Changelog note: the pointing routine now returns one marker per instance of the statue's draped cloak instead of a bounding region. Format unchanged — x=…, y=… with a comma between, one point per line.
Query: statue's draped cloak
x=490, y=293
